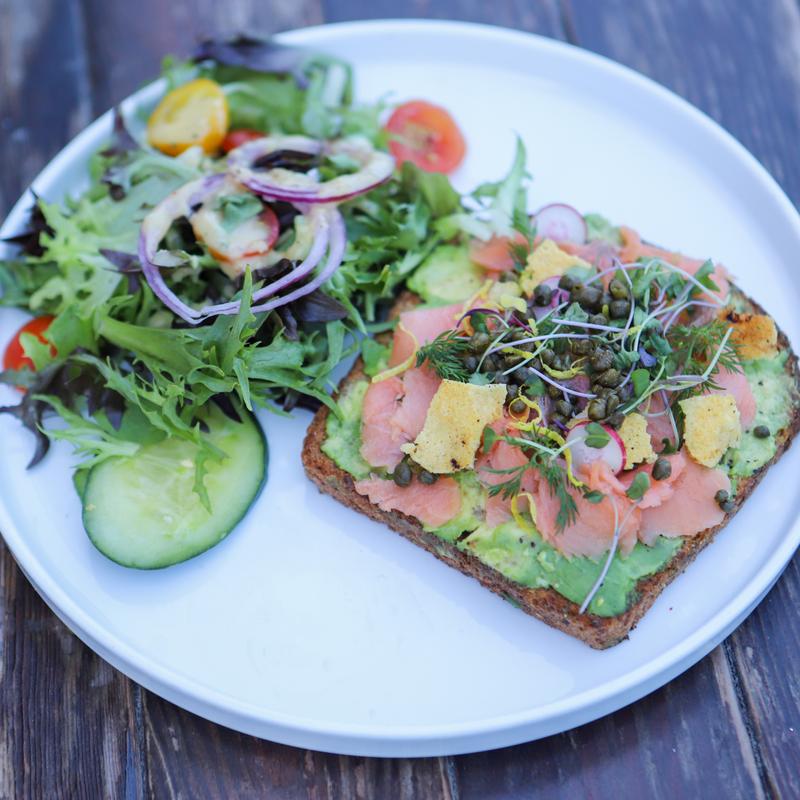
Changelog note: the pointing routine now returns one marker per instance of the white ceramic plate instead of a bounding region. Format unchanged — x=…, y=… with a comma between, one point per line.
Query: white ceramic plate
x=313, y=626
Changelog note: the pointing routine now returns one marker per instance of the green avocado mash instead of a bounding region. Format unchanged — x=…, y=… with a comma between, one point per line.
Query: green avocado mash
x=774, y=392
x=343, y=442
x=525, y=558
x=473, y=498
x=447, y=275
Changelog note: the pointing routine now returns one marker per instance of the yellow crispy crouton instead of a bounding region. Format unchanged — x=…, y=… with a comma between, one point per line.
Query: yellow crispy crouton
x=544, y=262
x=711, y=426
x=636, y=439
x=452, y=431
x=755, y=334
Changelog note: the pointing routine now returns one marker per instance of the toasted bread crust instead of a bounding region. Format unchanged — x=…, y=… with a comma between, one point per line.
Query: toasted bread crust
x=544, y=604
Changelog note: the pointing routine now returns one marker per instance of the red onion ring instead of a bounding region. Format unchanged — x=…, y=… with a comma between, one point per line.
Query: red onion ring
x=276, y=184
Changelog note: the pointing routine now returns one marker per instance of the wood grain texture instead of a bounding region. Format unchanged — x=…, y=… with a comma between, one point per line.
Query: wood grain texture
x=542, y=16
x=128, y=40
x=72, y=727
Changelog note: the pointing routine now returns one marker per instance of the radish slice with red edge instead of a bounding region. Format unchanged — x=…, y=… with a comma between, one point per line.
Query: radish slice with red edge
x=562, y=223
x=612, y=453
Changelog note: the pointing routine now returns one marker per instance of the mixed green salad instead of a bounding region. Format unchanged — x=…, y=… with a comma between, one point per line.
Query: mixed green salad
x=225, y=259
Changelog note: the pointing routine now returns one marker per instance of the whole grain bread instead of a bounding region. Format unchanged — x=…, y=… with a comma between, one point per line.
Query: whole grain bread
x=544, y=604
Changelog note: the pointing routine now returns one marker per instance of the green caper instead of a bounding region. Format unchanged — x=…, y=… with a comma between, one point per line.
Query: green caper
x=517, y=406
x=479, y=341
x=761, y=432
x=499, y=377
x=542, y=295
x=617, y=289
x=564, y=407
x=566, y=283
x=609, y=377
x=616, y=420
x=662, y=469
x=602, y=359
x=428, y=478
x=589, y=297
x=612, y=402
x=596, y=410
x=512, y=387
x=581, y=347
x=402, y=474
x=489, y=364
x=510, y=359
x=547, y=356
x=560, y=418
x=619, y=309
x=602, y=391
x=471, y=363
x=598, y=319
x=721, y=497
x=553, y=391
x=727, y=506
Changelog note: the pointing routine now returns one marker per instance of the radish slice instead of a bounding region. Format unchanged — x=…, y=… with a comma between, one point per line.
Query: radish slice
x=562, y=223
x=613, y=453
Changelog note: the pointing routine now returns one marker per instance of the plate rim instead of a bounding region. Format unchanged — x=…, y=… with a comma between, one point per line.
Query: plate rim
x=448, y=738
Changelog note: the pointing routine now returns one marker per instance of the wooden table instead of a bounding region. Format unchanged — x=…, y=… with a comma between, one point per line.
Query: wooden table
x=71, y=726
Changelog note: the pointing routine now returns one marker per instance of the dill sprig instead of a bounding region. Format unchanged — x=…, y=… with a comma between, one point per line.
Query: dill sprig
x=445, y=354
x=694, y=347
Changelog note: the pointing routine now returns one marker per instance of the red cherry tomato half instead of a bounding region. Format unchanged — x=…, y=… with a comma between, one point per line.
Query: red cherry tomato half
x=14, y=357
x=240, y=136
x=425, y=135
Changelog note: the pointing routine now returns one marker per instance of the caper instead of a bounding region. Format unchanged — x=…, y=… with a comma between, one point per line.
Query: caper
x=581, y=347
x=566, y=283
x=602, y=359
x=602, y=391
x=500, y=377
x=428, y=478
x=559, y=418
x=609, y=377
x=761, y=432
x=471, y=363
x=598, y=319
x=727, y=506
x=542, y=295
x=547, y=356
x=619, y=309
x=402, y=474
x=517, y=407
x=617, y=289
x=510, y=359
x=489, y=364
x=616, y=419
x=564, y=407
x=479, y=342
x=596, y=410
x=662, y=469
x=612, y=402
x=512, y=388
x=589, y=297
x=553, y=391
x=721, y=497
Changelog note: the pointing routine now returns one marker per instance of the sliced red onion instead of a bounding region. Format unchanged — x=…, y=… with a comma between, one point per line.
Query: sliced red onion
x=280, y=184
x=338, y=243
x=154, y=229
x=562, y=223
x=612, y=453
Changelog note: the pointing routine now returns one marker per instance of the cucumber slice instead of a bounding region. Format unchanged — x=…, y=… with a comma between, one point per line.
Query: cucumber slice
x=141, y=511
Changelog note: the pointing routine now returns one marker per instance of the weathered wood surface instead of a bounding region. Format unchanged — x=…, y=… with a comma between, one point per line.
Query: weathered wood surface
x=70, y=726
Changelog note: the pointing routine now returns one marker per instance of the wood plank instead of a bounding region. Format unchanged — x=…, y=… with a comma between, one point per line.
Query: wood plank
x=685, y=739
x=127, y=41
x=66, y=728
x=37, y=41
x=542, y=17
x=190, y=757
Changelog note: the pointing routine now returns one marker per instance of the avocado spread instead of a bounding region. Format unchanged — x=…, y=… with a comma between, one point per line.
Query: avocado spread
x=447, y=275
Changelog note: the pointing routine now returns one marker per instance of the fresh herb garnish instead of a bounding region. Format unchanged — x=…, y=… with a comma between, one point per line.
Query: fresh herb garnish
x=641, y=483
x=445, y=355
x=596, y=436
x=594, y=496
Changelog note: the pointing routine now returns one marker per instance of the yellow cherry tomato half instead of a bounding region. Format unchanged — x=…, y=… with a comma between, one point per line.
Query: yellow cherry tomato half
x=193, y=114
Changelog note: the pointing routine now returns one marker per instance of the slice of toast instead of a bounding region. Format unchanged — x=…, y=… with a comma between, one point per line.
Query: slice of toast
x=545, y=604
